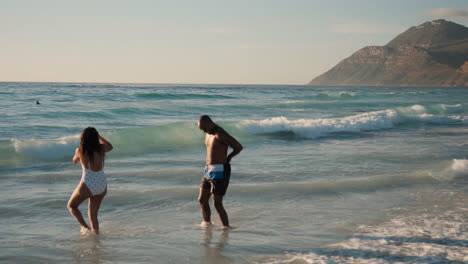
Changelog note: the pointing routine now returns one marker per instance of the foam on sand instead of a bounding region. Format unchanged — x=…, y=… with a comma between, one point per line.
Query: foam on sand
x=431, y=236
x=422, y=239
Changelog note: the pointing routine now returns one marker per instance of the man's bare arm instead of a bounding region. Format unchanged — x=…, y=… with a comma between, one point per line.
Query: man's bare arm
x=231, y=142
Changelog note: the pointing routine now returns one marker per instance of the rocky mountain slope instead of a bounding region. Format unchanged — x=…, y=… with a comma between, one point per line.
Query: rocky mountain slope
x=432, y=54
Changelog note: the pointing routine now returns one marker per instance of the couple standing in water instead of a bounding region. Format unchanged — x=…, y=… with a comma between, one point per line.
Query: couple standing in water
x=93, y=184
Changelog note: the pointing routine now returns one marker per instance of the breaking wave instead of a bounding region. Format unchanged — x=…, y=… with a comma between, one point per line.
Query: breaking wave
x=378, y=120
x=179, y=135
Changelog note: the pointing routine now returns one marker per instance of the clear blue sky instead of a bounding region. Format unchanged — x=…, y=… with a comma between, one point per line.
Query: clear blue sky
x=181, y=41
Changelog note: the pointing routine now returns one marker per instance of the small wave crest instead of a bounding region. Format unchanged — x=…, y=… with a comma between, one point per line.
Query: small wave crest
x=247, y=190
x=338, y=96
x=48, y=149
x=378, y=120
x=175, y=96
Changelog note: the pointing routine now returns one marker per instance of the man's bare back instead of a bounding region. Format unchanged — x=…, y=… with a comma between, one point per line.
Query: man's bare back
x=217, y=146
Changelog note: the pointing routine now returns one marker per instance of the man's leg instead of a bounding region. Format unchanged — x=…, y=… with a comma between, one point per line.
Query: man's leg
x=204, y=199
x=218, y=204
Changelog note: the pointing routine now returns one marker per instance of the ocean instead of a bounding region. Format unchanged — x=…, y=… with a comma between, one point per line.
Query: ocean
x=327, y=174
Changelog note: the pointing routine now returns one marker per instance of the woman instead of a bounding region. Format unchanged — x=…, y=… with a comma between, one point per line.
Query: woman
x=93, y=184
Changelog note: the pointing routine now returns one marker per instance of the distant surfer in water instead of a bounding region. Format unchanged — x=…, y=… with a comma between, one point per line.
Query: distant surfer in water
x=37, y=102
x=217, y=170
x=93, y=184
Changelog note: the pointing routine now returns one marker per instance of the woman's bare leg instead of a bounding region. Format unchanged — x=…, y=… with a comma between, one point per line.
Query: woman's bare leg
x=93, y=209
x=80, y=194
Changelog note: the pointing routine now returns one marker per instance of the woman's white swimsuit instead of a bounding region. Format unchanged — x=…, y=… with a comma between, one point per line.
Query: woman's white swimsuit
x=95, y=180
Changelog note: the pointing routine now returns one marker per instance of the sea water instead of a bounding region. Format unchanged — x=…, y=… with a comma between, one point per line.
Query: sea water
x=327, y=174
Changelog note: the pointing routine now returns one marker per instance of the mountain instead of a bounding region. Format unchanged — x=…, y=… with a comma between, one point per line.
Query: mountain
x=434, y=53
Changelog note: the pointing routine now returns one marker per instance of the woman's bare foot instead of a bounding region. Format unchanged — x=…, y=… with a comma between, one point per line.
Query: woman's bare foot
x=205, y=224
x=84, y=230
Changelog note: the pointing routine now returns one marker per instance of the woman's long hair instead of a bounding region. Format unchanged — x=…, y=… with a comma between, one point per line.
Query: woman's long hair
x=89, y=144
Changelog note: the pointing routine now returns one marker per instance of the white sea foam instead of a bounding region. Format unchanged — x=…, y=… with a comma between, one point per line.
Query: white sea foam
x=294, y=101
x=347, y=94
x=312, y=128
x=47, y=148
x=378, y=120
x=425, y=238
x=459, y=168
x=436, y=119
x=342, y=95
x=452, y=108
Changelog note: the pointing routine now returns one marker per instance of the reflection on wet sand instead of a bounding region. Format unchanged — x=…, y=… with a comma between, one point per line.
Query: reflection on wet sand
x=90, y=250
x=213, y=250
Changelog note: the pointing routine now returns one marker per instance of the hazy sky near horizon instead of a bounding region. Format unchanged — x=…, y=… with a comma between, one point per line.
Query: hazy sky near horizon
x=205, y=41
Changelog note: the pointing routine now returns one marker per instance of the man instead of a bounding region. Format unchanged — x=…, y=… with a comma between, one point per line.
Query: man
x=217, y=170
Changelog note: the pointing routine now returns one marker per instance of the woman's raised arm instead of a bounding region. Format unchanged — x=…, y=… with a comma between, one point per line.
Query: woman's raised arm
x=107, y=145
x=76, y=158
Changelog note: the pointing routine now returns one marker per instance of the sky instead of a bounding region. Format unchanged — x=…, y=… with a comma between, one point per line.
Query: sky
x=204, y=41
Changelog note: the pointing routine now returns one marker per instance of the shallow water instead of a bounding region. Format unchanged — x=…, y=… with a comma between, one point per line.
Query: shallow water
x=327, y=175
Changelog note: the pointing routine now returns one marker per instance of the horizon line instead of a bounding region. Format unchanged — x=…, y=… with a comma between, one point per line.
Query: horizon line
x=178, y=83
x=309, y=85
